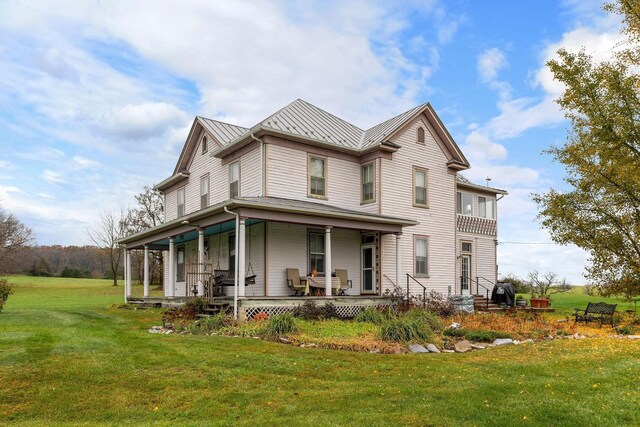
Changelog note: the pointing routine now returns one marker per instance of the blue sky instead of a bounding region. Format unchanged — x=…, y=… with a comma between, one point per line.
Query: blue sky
x=96, y=98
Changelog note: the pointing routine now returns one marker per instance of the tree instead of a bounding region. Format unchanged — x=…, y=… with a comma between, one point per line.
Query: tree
x=601, y=210
x=13, y=235
x=547, y=284
x=105, y=236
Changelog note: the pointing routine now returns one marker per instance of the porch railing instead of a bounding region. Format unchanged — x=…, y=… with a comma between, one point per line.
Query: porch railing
x=424, y=290
x=199, y=279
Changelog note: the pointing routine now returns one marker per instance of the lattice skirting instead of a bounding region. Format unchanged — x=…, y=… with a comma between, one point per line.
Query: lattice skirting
x=344, y=311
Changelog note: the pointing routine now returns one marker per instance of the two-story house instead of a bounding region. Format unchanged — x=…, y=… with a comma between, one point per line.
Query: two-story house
x=306, y=190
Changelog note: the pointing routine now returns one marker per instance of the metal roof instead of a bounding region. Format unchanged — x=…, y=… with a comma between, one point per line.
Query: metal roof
x=464, y=182
x=380, y=132
x=223, y=132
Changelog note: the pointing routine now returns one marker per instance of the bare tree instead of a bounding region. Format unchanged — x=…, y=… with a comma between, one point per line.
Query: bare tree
x=13, y=235
x=106, y=234
x=547, y=284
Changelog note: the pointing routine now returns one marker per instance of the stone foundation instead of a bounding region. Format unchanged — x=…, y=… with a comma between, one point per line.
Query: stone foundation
x=462, y=303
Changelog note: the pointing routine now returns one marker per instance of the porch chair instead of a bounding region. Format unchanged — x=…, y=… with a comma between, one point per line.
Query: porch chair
x=293, y=281
x=345, y=283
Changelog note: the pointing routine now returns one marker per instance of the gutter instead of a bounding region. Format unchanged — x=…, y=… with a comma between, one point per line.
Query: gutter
x=162, y=185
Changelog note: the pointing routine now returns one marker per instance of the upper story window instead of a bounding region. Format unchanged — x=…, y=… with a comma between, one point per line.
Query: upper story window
x=465, y=203
x=317, y=176
x=205, y=146
x=234, y=180
x=204, y=191
x=180, y=202
x=486, y=207
x=420, y=182
x=465, y=247
x=420, y=135
x=421, y=250
x=316, y=251
x=368, y=183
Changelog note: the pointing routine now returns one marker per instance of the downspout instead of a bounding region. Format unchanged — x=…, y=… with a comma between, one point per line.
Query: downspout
x=235, y=280
x=261, y=163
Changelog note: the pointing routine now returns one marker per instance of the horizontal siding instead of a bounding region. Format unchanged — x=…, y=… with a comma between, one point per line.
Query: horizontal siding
x=250, y=174
x=483, y=258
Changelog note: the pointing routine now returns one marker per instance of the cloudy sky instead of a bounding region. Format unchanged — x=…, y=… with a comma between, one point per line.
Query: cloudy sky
x=96, y=97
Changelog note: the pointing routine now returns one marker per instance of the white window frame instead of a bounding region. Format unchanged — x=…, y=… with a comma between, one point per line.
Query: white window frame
x=363, y=183
x=483, y=202
x=417, y=273
x=417, y=170
x=321, y=235
x=204, y=195
x=235, y=165
x=180, y=196
x=310, y=178
x=460, y=203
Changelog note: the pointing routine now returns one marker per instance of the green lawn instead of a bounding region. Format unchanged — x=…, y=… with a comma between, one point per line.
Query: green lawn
x=564, y=303
x=67, y=358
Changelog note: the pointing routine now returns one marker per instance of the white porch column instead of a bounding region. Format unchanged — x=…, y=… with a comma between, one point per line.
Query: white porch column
x=171, y=291
x=127, y=278
x=124, y=252
x=240, y=253
x=146, y=271
x=327, y=261
x=398, y=260
x=200, y=261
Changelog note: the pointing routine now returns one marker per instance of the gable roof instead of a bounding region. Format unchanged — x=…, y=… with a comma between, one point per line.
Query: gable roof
x=223, y=132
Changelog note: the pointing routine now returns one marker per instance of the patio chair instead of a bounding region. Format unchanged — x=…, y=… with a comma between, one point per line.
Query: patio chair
x=345, y=283
x=293, y=281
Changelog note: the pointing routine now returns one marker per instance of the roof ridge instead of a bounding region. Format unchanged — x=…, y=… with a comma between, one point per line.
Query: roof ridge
x=220, y=121
x=330, y=114
x=415, y=108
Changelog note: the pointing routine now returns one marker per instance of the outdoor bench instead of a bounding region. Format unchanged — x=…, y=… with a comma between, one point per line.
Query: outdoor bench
x=600, y=311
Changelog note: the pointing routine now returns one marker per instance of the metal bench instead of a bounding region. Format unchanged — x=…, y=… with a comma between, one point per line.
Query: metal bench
x=600, y=311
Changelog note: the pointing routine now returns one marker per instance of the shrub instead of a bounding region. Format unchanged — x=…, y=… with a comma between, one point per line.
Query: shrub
x=435, y=302
x=485, y=336
x=280, y=324
x=453, y=332
x=329, y=311
x=5, y=290
x=261, y=316
x=405, y=330
x=370, y=315
x=197, y=305
x=179, y=318
x=308, y=311
x=626, y=330
x=431, y=319
x=211, y=323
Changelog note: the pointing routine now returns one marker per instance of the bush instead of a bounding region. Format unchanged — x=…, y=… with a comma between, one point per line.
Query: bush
x=329, y=311
x=311, y=311
x=280, y=324
x=370, y=315
x=431, y=319
x=405, y=330
x=5, y=290
x=453, y=332
x=211, y=323
x=519, y=284
x=626, y=330
x=179, y=318
x=197, y=305
x=261, y=316
x=436, y=303
x=476, y=334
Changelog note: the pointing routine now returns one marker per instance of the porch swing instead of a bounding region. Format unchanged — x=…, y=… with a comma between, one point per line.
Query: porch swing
x=227, y=277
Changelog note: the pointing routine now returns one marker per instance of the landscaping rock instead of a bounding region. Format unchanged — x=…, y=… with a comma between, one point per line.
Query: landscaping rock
x=463, y=346
x=284, y=340
x=477, y=346
x=454, y=325
x=516, y=342
x=503, y=341
x=374, y=351
x=446, y=350
x=527, y=341
x=417, y=348
x=633, y=337
x=156, y=329
x=548, y=338
x=432, y=348
x=490, y=345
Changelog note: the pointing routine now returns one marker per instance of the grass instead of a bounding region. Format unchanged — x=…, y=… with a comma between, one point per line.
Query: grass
x=66, y=358
x=564, y=303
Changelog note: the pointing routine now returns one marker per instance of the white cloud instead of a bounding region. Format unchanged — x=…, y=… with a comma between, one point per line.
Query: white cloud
x=142, y=121
x=53, y=177
x=83, y=162
x=490, y=62
x=480, y=149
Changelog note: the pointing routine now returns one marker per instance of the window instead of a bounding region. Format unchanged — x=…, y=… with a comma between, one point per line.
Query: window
x=420, y=187
x=180, y=202
x=367, y=183
x=421, y=255
x=466, y=247
x=485, y=207
x=465, y=203
x=234, y=180
x=180, y=264
x=205, y=148
x=317, y=177
x=204, y=191
x=420, y=136
x=316, y=251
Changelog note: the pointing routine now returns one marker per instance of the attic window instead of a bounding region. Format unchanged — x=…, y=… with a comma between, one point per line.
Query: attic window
x=420, y=136
x=204, y=145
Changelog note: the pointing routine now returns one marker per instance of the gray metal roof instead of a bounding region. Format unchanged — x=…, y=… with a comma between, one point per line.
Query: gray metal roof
x=464, y=182
x=380, y=132
x=223, y=132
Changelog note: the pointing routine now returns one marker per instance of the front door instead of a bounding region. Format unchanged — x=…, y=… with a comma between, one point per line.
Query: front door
x=465, y=273
x=368, y=263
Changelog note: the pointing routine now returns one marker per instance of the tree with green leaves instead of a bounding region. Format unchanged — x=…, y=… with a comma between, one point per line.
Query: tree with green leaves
x=601, y=210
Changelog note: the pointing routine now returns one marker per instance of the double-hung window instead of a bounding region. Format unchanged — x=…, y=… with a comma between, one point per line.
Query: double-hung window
x=420, y=182
x=317, y=176
x=465, y=203
x=367, y=183
x=205, y=146
x=180, y=264
x=486, y=207
x=316, y=251
x=204, y=191
x=234, y=180
x=421, y=250
x=180, y=202
x=420, y=135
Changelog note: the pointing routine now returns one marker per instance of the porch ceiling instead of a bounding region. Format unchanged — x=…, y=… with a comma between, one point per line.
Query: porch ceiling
x=264, y=208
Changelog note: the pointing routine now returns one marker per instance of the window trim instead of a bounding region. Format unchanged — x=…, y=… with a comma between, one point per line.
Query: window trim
x=417, y=237
x=184, y=201
x=463, y=242
x=326, y=176
x=236, y=162
x=413, y=187
x=423, y=142
x=205, y=178
x=205, y=144
x=493, y=207
x=459, y=206
x=183, y=249
x=373, y=182
x=322, y=233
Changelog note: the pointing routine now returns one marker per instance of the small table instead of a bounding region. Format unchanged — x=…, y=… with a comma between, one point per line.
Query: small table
x=320, y=283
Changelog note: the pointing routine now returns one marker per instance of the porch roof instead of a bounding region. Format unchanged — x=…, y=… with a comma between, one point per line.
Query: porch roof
x=270, y=209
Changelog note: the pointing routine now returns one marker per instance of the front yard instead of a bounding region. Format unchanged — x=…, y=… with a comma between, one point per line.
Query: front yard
x=67, y=358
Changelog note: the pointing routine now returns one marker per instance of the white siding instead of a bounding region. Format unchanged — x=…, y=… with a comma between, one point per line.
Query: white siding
x=437, y=222
x=250, y=174
x=483, y=261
